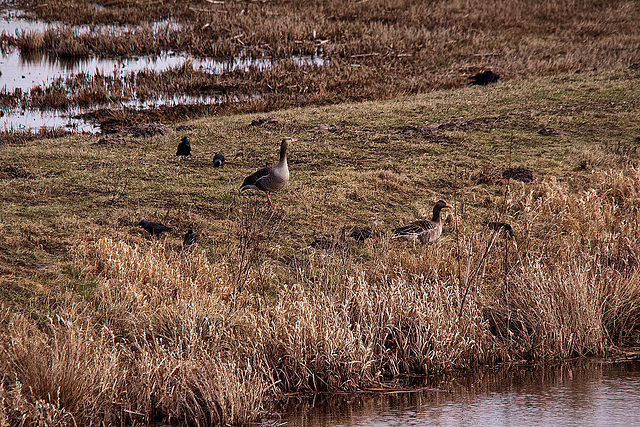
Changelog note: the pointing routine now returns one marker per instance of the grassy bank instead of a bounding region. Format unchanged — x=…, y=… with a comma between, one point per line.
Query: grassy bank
x=374, y=50
x=102, y=323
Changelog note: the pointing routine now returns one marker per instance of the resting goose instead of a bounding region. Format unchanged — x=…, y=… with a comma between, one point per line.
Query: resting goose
x=271, y=178
x=422, y=230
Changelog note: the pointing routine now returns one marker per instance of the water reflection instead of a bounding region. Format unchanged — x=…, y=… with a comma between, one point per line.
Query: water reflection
x=14, y=21
x=29, y=120
x=586, y=395
x=24, y=71
x=40, y=69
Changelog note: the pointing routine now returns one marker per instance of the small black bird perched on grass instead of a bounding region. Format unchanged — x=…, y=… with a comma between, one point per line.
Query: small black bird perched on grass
x=360, y=234
x=484, y=78
x=500, y=226
x=190, y=238
x=218, y=160
x=153, y=228
x=184, y=148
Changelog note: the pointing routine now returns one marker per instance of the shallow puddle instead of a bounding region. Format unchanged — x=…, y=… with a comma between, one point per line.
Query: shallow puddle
x=18, y=72
x=587, y=395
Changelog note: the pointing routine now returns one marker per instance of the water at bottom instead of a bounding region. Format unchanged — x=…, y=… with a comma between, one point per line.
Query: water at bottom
x=589, y=394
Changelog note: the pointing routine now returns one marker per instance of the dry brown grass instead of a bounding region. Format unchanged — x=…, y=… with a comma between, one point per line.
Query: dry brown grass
x=166, y=335
x=101, y=323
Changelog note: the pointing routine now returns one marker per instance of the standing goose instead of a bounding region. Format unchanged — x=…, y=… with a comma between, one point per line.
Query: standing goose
x=422, y=230
x=271, y=178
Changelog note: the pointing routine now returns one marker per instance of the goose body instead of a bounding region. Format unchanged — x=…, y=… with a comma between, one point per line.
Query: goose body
x=271, y=178
x=423, y=231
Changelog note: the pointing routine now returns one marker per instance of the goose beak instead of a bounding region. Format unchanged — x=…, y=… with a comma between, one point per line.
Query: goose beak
x=448, y=206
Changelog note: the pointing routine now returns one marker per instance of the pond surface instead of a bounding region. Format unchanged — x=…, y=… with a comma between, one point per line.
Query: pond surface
x=587, y=395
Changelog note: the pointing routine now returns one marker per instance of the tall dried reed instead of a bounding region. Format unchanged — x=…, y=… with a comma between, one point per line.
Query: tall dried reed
x=172, y=335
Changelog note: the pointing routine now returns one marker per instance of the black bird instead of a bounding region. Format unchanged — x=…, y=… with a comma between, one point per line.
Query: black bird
x=500, y=226
x=189, y=238
x=218, y=160
x=360, y=234
x=184, y=148
x=484, y=78
x=153, y=228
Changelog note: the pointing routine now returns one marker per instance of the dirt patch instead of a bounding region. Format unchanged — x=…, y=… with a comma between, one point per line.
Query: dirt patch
x=479, y=123
x=551, y=132
x=112, y=140
x=326, y=242
x=521, y=173
x=262, y=121
x=12, y=172
x=148, y=130
x=324, y=127
x=413, y=130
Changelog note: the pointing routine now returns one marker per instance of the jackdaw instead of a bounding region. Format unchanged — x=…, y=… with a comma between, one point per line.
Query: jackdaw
x=184, y=148
x=153, y=228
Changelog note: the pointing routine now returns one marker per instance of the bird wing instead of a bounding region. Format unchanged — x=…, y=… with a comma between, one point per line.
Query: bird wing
x=254, y=179
x=159, y=228
x=415, y=228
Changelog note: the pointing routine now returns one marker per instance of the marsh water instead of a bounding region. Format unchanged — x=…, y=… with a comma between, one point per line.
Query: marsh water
x=25, y=73
x=591, y=394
